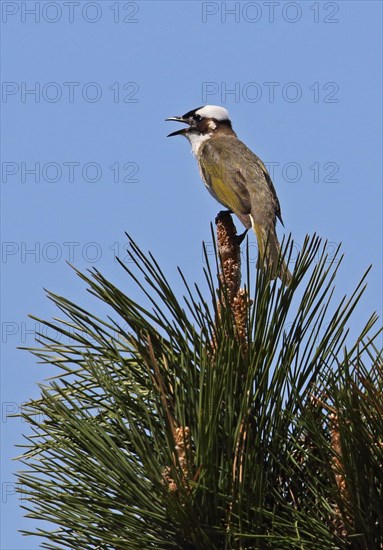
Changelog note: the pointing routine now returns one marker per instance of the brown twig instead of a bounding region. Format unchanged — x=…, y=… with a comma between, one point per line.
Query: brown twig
x=235, y=298
x=230, y=258
x=337, y=465
x=181, y=435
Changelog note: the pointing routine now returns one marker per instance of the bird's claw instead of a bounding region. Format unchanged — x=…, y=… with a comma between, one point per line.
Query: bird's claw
x=241, y=237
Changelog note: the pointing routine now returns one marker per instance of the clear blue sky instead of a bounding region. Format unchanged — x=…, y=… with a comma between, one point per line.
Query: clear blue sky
x=302, y=83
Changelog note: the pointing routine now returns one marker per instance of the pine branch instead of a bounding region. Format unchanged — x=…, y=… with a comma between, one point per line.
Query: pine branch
x=205, y=422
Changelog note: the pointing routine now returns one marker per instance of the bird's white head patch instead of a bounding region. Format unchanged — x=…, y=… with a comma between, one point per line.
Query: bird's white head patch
x=213, y=111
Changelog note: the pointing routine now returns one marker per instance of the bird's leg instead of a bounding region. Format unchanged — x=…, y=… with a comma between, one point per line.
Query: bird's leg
x=241, y=236
x=224, y=214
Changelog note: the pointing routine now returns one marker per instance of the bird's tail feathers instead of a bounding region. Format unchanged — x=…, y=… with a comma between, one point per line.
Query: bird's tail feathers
x=269, y=252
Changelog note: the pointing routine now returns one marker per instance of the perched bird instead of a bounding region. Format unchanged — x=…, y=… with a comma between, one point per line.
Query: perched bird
x=236, y=178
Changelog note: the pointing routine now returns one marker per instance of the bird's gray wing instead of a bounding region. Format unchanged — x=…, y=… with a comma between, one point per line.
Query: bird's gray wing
x=229, y=163
x=271, y=187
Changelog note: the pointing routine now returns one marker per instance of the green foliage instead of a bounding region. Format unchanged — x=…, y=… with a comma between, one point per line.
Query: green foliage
x=276, y=430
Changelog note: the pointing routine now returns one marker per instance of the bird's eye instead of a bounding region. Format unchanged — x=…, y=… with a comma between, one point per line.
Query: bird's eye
x=197, y=118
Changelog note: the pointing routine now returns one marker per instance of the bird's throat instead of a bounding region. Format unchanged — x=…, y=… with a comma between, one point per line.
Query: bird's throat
x=196, y=140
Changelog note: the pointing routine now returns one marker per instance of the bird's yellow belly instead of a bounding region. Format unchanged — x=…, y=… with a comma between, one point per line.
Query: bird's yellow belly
x=224, y=193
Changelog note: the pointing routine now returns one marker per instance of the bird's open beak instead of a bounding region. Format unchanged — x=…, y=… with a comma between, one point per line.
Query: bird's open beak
x=178, y=132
